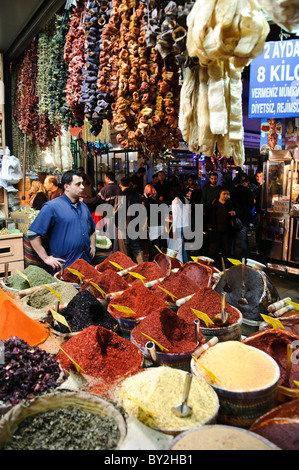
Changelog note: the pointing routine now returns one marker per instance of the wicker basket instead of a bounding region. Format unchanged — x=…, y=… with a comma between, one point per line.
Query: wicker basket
x=85, y=401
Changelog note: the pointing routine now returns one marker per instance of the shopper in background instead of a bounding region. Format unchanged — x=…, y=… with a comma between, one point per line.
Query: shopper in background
x=180, y=220
x=52, y=187
x=67, y=224
x=129, y=196
x=193, y=195
x=219, y=223
x=243, y=202
x=258, y=207
x=38, y=195
x=209, y=194
x=137, y=180
x=108, y=195
x=150, y=198
x=163, y=189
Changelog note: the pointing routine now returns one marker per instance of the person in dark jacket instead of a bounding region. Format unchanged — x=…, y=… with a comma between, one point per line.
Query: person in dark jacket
x=163, y=189
x=219, y=224
x=128, y=196
x=243, y=203
x=193, y=194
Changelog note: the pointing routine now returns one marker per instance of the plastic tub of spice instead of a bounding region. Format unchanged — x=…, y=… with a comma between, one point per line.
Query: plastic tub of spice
x=63, y=421
x=151, y=394
x=220, y=437
x=231, y=369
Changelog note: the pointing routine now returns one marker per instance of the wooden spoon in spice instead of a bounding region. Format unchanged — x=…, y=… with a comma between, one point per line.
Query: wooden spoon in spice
x=5, y=280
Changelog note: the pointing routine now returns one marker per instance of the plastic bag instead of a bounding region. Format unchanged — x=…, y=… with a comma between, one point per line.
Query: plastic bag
x=11, y=169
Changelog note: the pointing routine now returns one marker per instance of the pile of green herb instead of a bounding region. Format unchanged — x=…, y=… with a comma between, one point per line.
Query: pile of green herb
x=36, y=276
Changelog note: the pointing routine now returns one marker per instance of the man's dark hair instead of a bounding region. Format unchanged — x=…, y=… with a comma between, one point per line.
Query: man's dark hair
x=141, y=170
x=110, y=175
x=213, y=173
x=125, y=181
x=67, y=177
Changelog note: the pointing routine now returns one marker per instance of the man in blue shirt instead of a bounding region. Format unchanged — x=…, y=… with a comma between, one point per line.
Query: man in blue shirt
x=67, y=224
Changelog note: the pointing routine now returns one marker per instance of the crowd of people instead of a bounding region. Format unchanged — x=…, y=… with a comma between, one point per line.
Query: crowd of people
x=70, y=208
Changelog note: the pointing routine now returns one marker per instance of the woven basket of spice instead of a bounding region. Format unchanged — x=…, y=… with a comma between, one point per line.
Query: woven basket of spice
x=133, y=305
x=151, y=395
x=231, y=369
x=206, y=304
x=63, y=421
x=171, y=337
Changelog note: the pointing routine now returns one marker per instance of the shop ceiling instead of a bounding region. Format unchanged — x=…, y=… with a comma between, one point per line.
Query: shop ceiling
x=21, y=20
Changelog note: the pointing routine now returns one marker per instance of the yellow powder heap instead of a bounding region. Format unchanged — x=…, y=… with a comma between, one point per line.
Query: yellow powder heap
x=236, y=366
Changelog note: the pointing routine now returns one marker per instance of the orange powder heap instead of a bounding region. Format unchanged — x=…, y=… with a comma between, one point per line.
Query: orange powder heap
x=14, y=322
x=236, y=366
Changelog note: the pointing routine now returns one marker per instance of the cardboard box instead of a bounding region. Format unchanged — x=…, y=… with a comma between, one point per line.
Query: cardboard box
x=20, y=217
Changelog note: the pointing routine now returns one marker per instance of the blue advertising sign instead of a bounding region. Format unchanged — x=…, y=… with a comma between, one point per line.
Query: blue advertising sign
x=274, y=81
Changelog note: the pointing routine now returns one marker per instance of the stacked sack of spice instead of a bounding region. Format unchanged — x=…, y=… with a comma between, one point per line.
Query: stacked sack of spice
x=116, y=261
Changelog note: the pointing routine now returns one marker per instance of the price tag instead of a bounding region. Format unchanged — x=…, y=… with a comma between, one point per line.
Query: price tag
x=60, y=318
x=138, y=276
x=294, y=304
x=53, y=292
x=272, y=321
x=124, y=309
x=235, y=262
x=98, y=288
x=169, y=293
x=203, y=316
x=23, y=276
x=157, y=248
x=76, y=273
x=212, y=376
x=78, y=368
x=116, y=265
x=156, y=342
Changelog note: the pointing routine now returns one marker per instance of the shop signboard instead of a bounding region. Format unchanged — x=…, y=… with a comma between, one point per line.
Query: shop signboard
x=274, y=81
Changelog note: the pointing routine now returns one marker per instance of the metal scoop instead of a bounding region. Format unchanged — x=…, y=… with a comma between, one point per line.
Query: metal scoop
x=226, y=287
x=242, y=299
x=5, y=280
x=223, y=317
x=62, y=271
x=182, y=410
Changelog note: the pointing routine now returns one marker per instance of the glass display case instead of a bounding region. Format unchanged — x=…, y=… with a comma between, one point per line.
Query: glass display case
x=280, y=193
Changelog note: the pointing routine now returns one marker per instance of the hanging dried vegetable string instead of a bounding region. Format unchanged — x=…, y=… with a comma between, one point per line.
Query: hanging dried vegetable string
x=75, y=58
x=146, y=88
x=58, y=74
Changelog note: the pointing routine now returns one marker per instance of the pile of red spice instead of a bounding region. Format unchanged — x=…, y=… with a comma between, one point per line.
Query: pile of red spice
x=177, y=284
x=117, y=257
x=83, y=267
x=172, y=332
x=139, y=299
x=208, y=301
x=274, y=342
x=150, y=271
x=108, y=281
x=101, y=353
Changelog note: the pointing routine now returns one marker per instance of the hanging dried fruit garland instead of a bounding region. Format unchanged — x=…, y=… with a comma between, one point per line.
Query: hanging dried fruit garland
x=146, y=87
x=75, y=58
